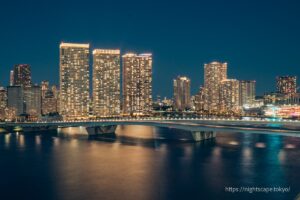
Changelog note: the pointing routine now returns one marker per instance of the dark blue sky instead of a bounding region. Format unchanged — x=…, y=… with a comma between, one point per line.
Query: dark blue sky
x=259, y=39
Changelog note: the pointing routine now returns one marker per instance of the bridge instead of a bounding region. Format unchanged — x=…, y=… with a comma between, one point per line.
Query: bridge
x=199, y=128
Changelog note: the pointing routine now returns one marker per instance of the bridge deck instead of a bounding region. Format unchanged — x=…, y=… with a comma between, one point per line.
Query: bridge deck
x=224, y=125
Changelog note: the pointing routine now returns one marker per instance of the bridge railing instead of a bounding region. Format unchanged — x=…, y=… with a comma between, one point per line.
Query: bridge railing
x=217, y=119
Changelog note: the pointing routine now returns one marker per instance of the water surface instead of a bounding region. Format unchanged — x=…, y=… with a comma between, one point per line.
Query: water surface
x=124, y=166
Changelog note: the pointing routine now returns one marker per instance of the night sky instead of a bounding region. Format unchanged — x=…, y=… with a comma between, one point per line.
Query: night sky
x=259, y=39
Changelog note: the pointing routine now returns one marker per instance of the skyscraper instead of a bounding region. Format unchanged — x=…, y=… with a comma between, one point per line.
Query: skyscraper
x=137, y=84
x=182, y=95
x=22, y=75
x=32, y=100
x=74, y=80
x=229, y=96
x=214, y=74
x=247, y=92
x=15, y=99
x=11, y=78
x=287, y=85
x=106, y=83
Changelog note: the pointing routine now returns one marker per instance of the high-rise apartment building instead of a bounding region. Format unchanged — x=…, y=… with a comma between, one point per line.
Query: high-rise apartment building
x=214, y=74
x=22, y=75
x=229, y=96
x=106, y=83
x=74, y=80
x=137, y=84
x=182, y=92
x=287, y=85
x=247, y=92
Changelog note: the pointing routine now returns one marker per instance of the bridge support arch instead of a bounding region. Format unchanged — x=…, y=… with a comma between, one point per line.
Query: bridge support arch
x=203, y=135
x=96, y=130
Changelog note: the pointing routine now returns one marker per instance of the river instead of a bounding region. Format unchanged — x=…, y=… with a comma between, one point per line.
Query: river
x=139, y=163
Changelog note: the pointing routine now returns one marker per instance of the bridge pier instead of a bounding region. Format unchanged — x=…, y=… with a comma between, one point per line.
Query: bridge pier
x=96, y=130
x=203, y=135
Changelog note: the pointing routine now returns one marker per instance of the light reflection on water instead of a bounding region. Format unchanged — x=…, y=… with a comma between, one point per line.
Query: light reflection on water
x=132, y=164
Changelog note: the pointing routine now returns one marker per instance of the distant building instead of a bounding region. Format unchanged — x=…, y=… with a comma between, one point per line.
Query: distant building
x=283, y=111
x=192, y=103
x=281, y=99
x=56, y=95
x=22, y=75
x=247, y=92
x=182, y=93
x=200, y=101
x=23, y=98
x=137, y=84
x=49, y=98
x=167, y=102
x=55, y=91
x=106, y=83
x=44, y=88
x=11, y=78
x=32, y=100
x=74, y=80
x=3, y=102
x=3, y=98
x=49, y=103
x=229, y=96
x=287, y=85
x=214, y=74
x=15, y=99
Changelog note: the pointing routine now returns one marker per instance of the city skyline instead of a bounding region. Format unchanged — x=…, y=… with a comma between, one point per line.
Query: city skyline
x=157, y=99
x=194, y=88
x=182, y=42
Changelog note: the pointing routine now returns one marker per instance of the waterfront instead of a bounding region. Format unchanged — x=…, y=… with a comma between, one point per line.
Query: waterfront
x=134, y=165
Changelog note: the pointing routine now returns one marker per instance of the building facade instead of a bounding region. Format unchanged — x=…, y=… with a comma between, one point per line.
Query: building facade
x=15, y=99
x=44, y=87
x=49, y=98
x=22, y=75
x=11, y=78
x=3, y=98
x=106, y=83
x=74, y=80
x=214, y=74
x=200, y=101
x=182, y=93
x=247, y=92
x=286, y=85
x=229, y=96
x=137, y=84
x=281, y=99
x=32, y=100
x=49, y=103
